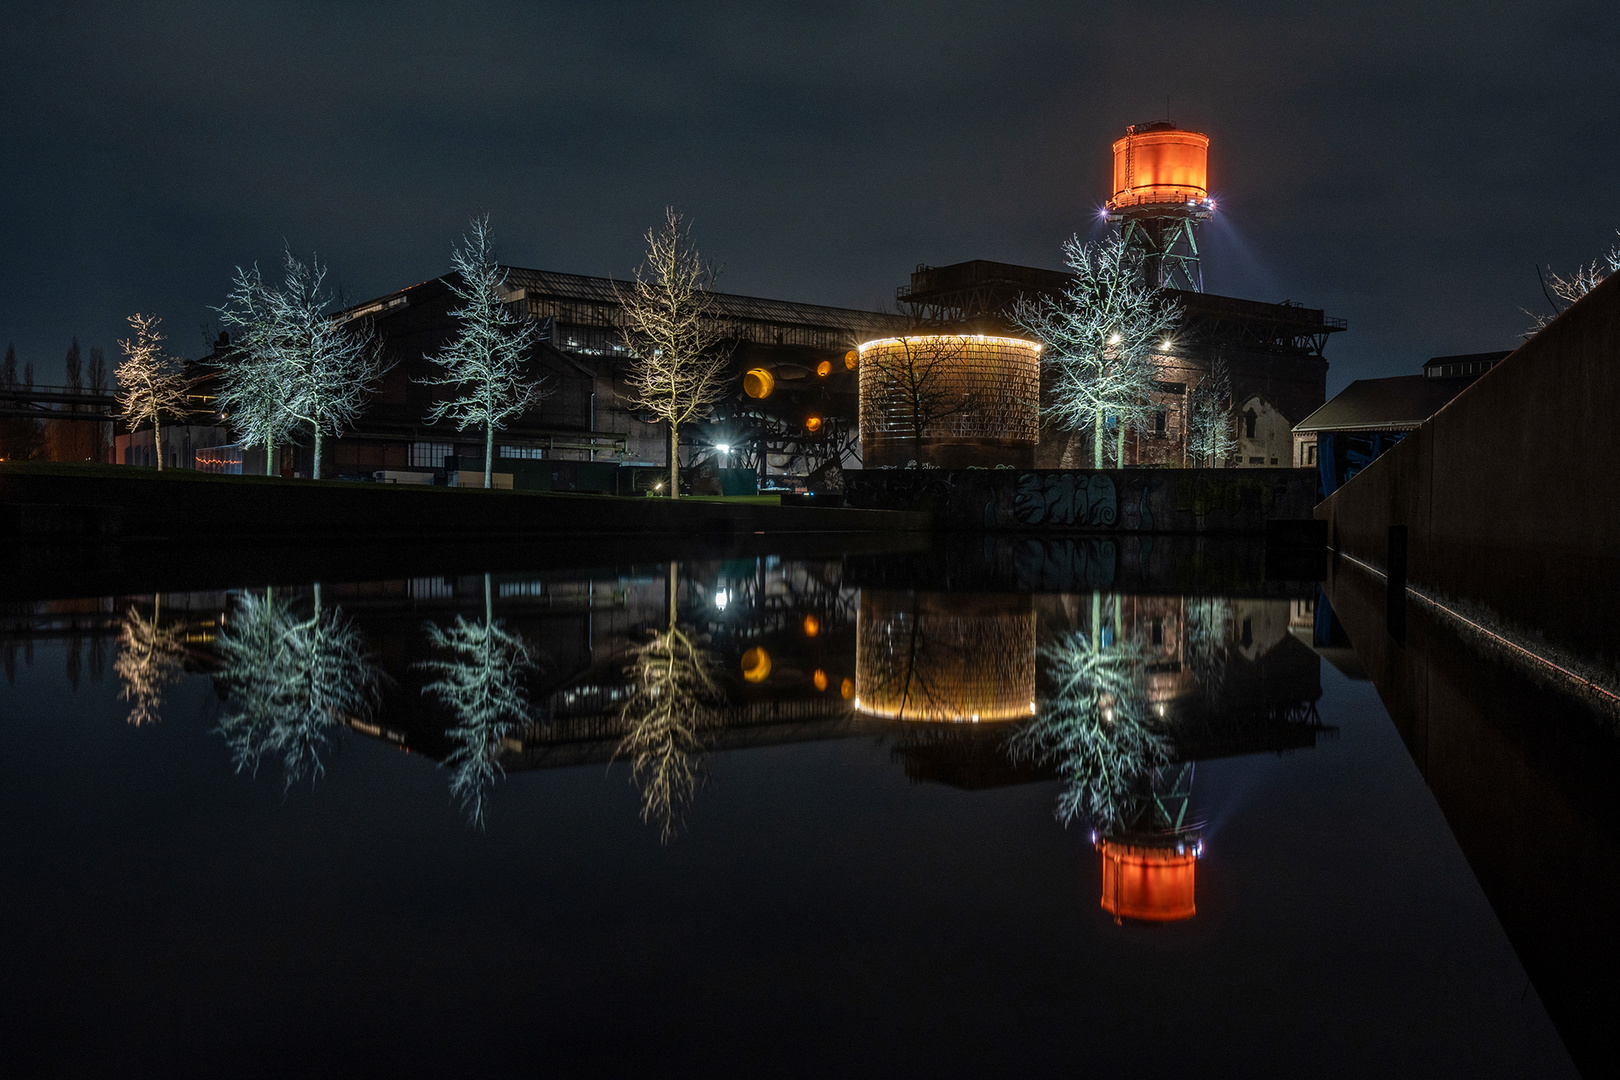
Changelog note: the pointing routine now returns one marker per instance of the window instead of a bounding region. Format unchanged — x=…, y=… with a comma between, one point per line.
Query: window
x=1157, y=626
x=526, y=453
x=1274, y=461
x=430, y=455
x=1159, y=422
x=1248, y=423
x=1257, y=461
x=1310, y=455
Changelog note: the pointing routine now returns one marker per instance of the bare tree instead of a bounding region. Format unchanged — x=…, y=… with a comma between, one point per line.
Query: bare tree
x=331, y=364
x=1211, y=437
x=482, y=684
x=914, y=385
x=296, y=364
x=149, y=381
x=253, y=385
x=487, y=358
x=677, y=371
x=1562, y=291
x=1100, y=336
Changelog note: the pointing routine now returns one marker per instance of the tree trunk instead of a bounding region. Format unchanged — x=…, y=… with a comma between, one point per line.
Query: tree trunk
x=674, y=460
x=157, y=440
x=1119, y=448
x=489, y=603
x=1096, y=621
x=270, y=457
x=315, y=470
x=1097, y=441
x=489, y=455
x=673, y=581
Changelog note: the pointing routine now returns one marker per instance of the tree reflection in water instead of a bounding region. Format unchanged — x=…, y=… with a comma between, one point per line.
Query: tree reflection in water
x=482, y=684
x=1209, y=631
x=674, y=694
x=149, y=661
x=289, y=681
x=1097, y=727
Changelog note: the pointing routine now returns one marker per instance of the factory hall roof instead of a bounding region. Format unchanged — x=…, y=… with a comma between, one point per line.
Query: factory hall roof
x=1396, y=404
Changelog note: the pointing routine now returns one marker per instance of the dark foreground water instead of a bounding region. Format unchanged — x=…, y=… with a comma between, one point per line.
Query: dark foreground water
x=867, y=815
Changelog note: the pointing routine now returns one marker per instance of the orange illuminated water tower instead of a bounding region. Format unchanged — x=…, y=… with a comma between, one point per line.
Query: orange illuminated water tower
x=1160, y=197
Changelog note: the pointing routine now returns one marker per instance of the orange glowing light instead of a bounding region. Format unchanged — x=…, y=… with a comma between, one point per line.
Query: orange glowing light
x=756, y=665
x=820, y=679
x=812, y=626
x=758, y=383
x=1151, y=884
x=813, y=424
x=824, y=368
x=846, y=689
x=852, y=359
x=1160, y=166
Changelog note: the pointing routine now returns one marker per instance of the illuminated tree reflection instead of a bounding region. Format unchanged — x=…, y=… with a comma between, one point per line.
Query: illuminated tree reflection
x=1209, y=631
x=288, y=682
x=673, y=696
x=1097, y=728
x=148, y=662
x=482, y=685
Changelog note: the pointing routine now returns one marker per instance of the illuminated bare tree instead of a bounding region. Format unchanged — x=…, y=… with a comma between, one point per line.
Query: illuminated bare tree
x=148, y=662
x=1562, y=291
x=1211, y=423
x=677, y=370
x=304, y=367
x=674, y=694
x=913, y=386
x=1100, y=334
x=482, y=685
x=289, y=682
x=487, y=358
x=254, y=383
x=149, y=381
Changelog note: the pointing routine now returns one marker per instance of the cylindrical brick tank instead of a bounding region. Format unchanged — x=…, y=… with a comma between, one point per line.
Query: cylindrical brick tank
x=955, y=399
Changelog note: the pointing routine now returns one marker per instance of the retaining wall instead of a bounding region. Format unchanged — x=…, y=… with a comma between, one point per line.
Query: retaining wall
x=1108, y=500
x=1509, y=493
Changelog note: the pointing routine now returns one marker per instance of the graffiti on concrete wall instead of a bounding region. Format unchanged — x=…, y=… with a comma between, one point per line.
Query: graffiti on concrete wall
x=1068, y=499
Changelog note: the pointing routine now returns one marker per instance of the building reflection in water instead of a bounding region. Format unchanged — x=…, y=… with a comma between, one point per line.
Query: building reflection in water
x=288, y=682
x=944, y=658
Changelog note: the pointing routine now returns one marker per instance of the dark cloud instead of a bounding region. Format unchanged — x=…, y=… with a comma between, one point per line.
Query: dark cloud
x=1404, y=166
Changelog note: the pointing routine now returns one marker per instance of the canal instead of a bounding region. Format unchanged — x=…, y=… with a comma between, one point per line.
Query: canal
x=1081, y=807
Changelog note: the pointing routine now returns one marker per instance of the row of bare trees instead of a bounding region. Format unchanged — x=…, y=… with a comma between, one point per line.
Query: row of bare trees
x=293, y=366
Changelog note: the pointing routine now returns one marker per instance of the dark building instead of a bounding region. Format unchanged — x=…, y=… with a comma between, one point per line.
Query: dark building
x=792, y=409
x=1369, y=416
x=1274, y=353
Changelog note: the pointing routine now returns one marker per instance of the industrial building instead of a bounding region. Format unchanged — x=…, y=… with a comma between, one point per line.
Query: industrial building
x=1369, y=416
x=796, y=405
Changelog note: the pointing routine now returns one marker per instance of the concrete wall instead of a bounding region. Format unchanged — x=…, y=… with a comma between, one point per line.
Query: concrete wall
x=1509, y=493
x=1109, y=500
x=42, y=501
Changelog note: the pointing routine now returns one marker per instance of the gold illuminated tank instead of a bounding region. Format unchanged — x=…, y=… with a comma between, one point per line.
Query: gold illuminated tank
x=1157, y=164
x=944, y=658
x=984, y=392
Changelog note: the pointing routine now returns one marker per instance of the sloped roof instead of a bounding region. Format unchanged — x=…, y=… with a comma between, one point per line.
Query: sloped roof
x=730, y=306
x=1396, y=404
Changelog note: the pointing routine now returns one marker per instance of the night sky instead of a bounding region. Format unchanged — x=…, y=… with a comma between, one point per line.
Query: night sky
x=1404, y=166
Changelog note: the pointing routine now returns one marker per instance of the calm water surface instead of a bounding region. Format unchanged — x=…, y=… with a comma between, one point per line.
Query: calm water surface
x=783, y=816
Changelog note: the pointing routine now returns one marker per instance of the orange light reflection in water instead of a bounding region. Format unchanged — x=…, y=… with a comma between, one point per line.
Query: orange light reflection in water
x=1151, y=884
